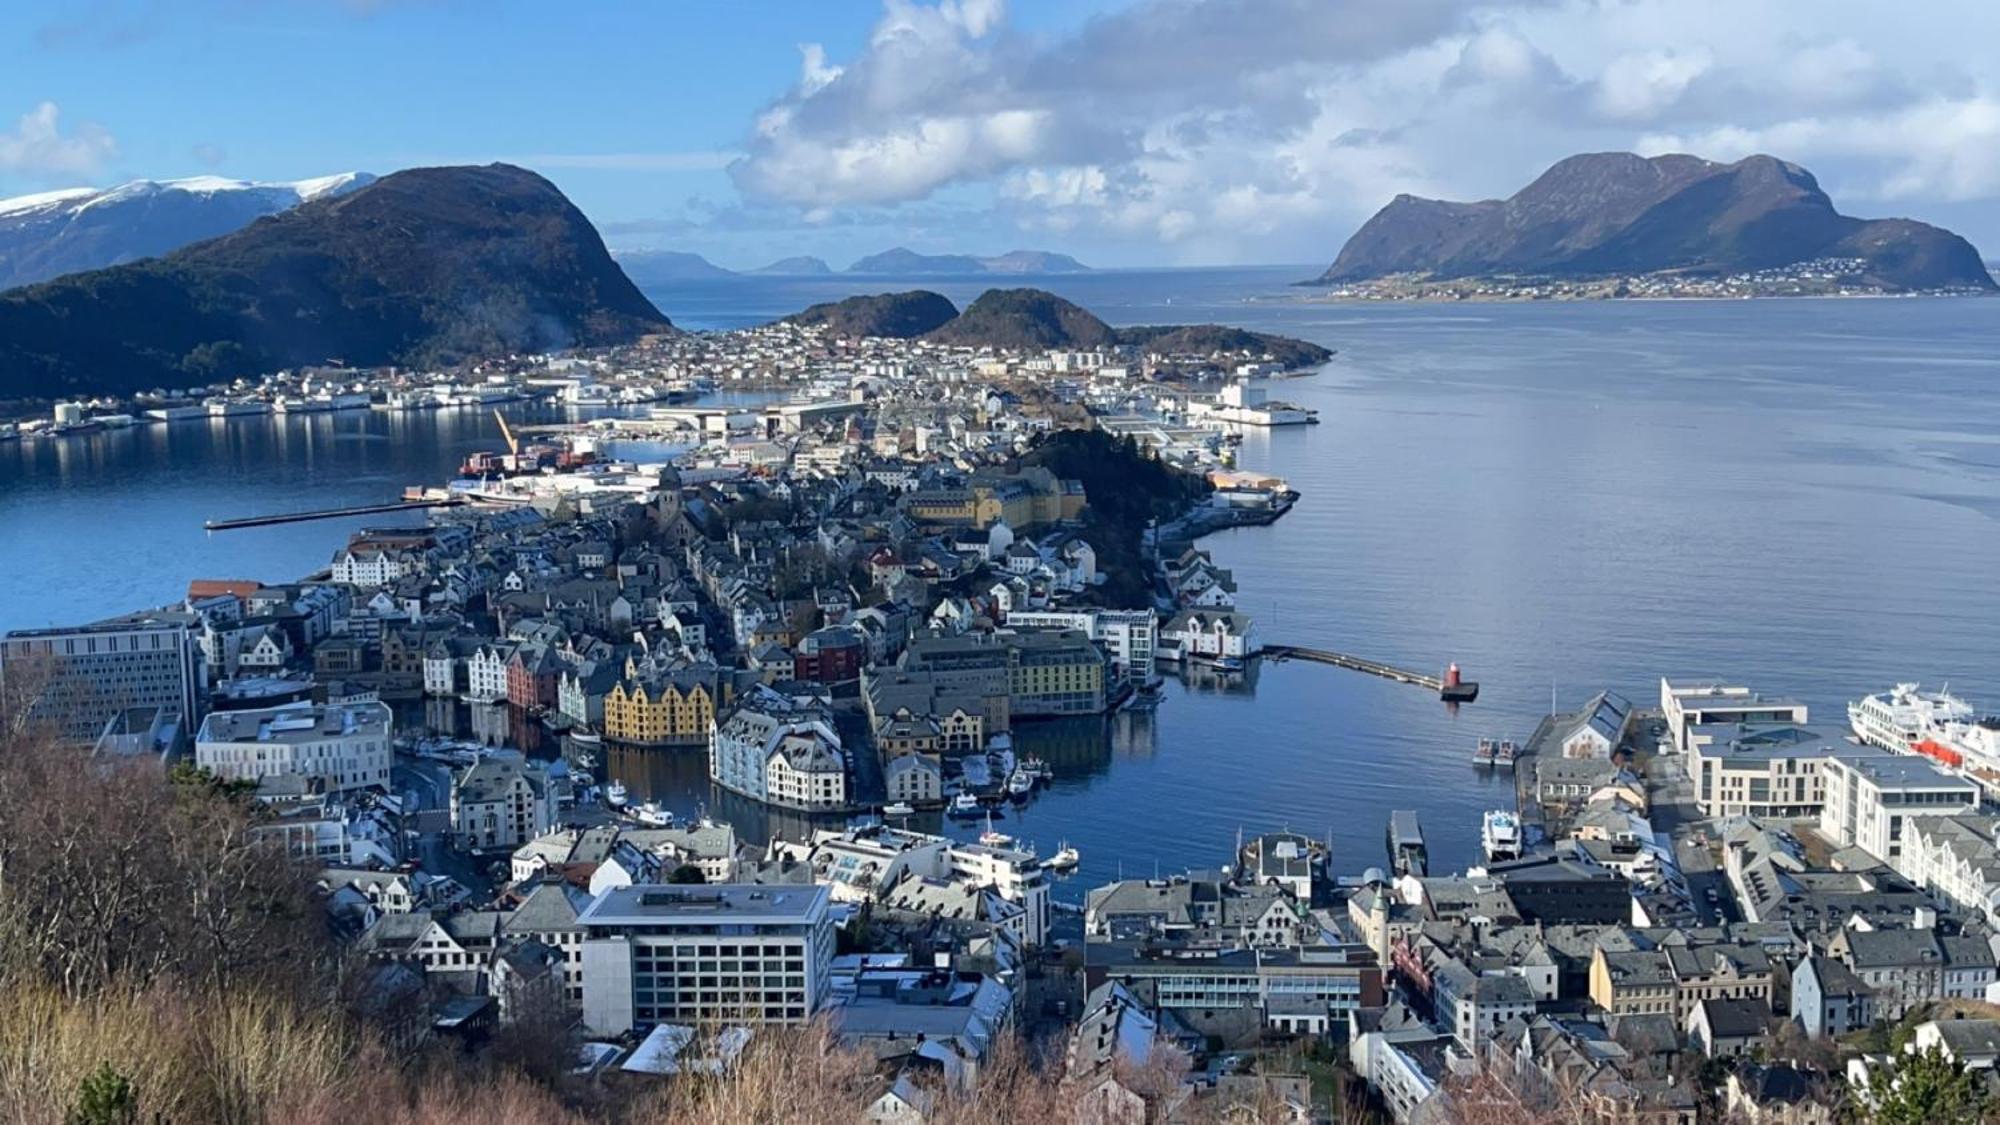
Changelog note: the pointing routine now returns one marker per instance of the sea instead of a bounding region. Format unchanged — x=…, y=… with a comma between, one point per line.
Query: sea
x=1562, y=498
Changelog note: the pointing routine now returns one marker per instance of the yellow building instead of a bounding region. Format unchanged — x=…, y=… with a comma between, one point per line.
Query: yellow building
x=665, y=712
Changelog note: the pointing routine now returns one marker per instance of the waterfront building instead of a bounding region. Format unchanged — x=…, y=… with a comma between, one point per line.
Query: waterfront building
x=1208, y=635
x=676, y=709
x=780, y=751
x=1059, y=673
x=959, y=716
x=913, y=779
x=1129, y=637
x=486, y=672
x=81, y=679
x=500, y=803
x=1688, y=702
x=1870, y=799
x=1769, y=771
x=705, y=955
x=325, y=748
x=1599, y=729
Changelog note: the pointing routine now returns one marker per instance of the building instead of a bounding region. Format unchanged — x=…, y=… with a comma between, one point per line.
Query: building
x=1050, y=674
x=1956, y=858
x=705, y=955
x=1689, y=702
x=326, y=748
x=1904, y=969
x=78, y=680
x=500, y=803
x=779, y=751
x=1208, y=635
x=1871, y=795
x=674, y=710
x=1769, y=771
x=1129, y=637
x=833, y=657
x=1828, y=999
x=913, y=779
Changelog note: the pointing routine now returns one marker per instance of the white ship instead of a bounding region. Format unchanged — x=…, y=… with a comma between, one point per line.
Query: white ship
x=1500, y=836
x=1905, y=716
x=615, y=795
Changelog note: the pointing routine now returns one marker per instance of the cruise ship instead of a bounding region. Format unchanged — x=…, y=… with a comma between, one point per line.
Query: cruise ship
x=1500, y=836
x=1905, y=716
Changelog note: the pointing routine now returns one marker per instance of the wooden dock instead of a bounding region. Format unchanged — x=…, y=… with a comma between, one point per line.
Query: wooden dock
x=330, y=513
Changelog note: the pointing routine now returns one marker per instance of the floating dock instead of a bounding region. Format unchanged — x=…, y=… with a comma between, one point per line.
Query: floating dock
x=330, y=513
x=1450, y=687
x=1407, y=854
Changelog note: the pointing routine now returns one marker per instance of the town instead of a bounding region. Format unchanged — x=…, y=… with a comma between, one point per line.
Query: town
x=849, y=603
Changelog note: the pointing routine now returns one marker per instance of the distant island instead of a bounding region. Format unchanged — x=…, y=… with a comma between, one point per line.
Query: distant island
x=1035, y=319
x=666, y=267
x=422, y=267
x=1617, y=224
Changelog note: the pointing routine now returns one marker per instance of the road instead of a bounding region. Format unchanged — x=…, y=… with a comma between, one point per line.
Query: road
x=1675, y=813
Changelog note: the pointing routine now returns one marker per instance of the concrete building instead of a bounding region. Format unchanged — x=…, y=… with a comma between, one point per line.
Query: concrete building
x=1871, y=796
x=1689, y=702
x=1129, y=637
x=82, y=678
x=328, y=748
x=1767, y=771
x=705, y=955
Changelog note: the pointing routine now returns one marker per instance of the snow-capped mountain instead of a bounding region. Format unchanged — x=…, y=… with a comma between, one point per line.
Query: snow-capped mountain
x=52, y=233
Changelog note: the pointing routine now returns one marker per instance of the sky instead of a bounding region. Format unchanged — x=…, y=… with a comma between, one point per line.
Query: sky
x=1125, y=132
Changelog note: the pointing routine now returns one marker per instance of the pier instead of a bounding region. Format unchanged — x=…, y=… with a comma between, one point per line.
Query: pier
x=330, y=513
x=1449, y=688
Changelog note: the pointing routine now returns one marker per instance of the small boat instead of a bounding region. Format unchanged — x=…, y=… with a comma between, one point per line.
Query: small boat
x=614, y=794
x=994, y=839
x=586, y=736
x=650, y=813
x=1065, y=859
x=1482, y=754
x=965, y=804
x=899, y=808
x=1020, y=783
x=1500, y=836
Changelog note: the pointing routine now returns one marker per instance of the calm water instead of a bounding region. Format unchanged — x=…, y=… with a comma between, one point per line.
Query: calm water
x=1801, y=495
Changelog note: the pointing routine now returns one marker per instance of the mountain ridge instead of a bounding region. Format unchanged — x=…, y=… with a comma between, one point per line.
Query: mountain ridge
x=428, y=265
x=49, y=234
x=1608, y=214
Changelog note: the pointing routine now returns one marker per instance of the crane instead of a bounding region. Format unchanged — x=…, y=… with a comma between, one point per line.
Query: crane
x=513, y=443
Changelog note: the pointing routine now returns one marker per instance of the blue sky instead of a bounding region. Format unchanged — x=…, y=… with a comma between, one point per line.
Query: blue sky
x=1128, y=132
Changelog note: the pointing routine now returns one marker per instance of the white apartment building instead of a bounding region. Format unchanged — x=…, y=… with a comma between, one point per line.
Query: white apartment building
x=369, y=568
x=1130, y=637
x=486, y=674
x=705, y=955
x=863, y=864
x=336, y=746
x=1956, y=858
x=1871, y=795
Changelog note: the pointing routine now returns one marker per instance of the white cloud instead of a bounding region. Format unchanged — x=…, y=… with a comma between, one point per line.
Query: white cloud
x=37, y=147
x=1248, y=129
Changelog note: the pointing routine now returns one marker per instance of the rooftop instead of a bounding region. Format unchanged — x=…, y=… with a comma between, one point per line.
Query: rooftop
x=734, y=903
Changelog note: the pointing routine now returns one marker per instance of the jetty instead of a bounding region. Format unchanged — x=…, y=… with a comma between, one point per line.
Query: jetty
x=1449, y=687
x=331, y=513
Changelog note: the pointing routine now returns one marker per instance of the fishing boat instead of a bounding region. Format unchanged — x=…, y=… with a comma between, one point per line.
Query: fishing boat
x=965, y=804
x=650, y=813
x=586, y=736
x=1020, y=783
x=1037, y=769
x=614, y=794
x=899, y=808
x=1065, y=859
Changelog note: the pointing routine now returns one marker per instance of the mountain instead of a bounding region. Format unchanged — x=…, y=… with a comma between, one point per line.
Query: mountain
x=1616, y=214
x=902, y=262
x=58, y=232
x=903, y=316
x=1027, y=319
x=651, y=267
x=425, y=266
x=800, y=266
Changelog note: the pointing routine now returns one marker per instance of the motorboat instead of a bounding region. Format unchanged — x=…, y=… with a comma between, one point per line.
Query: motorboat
x=1500, y=836
x=965, y=804
x=1020, y=784
x=615, y=795
x=899, y=808
x=1065, y=859
x=650, y=813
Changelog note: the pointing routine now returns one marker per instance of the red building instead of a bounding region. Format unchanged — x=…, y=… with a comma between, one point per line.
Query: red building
x=533, y=674
x=833, y=656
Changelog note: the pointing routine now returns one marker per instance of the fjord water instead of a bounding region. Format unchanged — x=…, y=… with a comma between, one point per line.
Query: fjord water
x=1800, y=495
